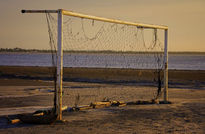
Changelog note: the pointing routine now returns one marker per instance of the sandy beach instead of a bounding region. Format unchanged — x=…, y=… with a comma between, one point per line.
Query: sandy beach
x=27, y=89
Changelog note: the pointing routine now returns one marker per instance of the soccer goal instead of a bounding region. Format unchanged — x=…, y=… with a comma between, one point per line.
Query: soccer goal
x=106, y=51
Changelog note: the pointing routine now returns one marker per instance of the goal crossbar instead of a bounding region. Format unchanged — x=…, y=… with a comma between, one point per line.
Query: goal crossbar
x=74, y=14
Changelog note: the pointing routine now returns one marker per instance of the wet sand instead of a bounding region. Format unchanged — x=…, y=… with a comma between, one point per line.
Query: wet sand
x=25, y=89
x=182, y=77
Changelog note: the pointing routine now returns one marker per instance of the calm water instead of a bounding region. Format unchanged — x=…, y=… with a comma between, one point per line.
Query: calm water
x=176, y=61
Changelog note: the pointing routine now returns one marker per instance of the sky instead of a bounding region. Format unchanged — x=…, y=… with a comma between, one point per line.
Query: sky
x=185, y=19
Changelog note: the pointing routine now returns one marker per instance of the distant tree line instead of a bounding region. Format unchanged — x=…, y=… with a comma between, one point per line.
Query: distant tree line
x=17, y=49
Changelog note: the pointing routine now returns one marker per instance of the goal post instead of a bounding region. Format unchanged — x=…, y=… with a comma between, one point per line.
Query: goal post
x=59, y=66
x=166, y=65
x=60, y=26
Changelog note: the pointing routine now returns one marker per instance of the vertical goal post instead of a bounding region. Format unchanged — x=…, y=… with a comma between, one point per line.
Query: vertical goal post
x=62, y=12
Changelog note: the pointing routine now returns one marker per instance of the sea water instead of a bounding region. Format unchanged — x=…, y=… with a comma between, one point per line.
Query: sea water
x=100, y=60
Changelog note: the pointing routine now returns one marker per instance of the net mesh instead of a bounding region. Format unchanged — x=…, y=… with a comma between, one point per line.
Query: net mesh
x=117, y=61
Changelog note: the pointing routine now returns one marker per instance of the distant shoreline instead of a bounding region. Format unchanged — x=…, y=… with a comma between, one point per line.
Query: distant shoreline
x=20, y=50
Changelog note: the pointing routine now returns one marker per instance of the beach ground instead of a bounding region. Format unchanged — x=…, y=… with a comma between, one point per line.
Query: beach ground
x=186, y=114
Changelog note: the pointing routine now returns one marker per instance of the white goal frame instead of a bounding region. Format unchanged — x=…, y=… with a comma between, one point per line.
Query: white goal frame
x=62, y=12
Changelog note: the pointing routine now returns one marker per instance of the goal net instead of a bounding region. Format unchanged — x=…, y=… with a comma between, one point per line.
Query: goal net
x=119, y=61
x=98, y=60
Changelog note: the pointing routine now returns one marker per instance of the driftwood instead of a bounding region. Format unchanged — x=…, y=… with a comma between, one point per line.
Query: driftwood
x=48, y=116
